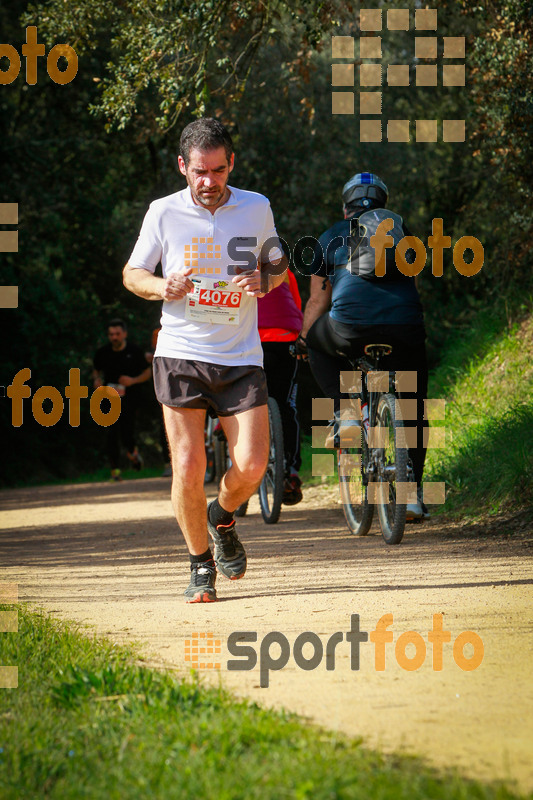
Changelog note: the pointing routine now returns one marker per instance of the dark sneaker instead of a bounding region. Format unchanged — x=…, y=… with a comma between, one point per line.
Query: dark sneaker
x=230, y=556
x=218, y=431
x=201, y=589
x=344, y=430
x=425, y=512
x=416, y=512
x=292, y=492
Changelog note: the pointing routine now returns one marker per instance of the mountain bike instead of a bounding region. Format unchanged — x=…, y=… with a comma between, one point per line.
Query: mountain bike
x=377, y=472
x=271, y=487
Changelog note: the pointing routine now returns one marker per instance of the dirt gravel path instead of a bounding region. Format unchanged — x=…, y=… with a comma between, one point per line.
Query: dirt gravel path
x=111, y=556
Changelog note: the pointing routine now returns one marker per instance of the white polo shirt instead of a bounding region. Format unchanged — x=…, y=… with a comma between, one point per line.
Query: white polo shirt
x=178, y=233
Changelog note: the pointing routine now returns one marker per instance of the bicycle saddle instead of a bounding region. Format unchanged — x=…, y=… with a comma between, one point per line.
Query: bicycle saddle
x=378, y=350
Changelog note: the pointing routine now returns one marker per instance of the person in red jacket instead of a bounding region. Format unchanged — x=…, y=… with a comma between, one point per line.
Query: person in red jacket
x=280, y=321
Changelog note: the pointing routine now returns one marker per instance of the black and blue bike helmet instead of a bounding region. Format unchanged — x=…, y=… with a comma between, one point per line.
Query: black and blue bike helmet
x=365, y=190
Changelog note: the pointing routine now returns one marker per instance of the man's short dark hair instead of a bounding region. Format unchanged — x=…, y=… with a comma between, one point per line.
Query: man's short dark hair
x=117, y=323
x=205, y=134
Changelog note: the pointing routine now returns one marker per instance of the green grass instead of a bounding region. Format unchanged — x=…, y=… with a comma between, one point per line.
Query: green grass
x=306, y=471
x=87, y=721
x=487, y=380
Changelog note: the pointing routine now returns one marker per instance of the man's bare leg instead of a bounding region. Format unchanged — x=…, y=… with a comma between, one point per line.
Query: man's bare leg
x=247, y=435
x=185, y=431
x=248, y=442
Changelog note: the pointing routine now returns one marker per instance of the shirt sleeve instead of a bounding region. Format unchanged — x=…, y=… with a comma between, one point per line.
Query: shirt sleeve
x=148, y=249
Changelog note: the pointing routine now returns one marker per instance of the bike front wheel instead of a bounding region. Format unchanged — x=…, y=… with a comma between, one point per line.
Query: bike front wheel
x=271, y=488
x=392, y=469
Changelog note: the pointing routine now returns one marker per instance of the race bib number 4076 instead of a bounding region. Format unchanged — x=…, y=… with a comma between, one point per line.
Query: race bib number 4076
x=213, y=301
x=214, y=297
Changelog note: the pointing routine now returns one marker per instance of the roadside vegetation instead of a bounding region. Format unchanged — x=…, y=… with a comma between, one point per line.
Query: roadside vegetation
x=486, y=377
x=89, y=721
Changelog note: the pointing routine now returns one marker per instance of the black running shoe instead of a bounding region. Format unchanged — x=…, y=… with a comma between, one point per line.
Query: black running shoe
x=416, y=512
x=201, y=589
x=230, y=556
x=292, y=491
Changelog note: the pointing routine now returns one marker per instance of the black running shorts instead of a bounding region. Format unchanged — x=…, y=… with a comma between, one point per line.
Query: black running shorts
x=181, y=383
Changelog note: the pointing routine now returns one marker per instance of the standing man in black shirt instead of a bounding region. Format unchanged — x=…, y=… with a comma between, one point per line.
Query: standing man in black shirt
x=121, y=365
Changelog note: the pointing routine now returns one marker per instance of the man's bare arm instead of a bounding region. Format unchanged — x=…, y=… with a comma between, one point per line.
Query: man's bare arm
x=318, y=303
x=127, y=380
x=151, y=287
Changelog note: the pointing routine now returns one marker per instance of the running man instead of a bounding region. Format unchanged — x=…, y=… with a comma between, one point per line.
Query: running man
x=208, y=351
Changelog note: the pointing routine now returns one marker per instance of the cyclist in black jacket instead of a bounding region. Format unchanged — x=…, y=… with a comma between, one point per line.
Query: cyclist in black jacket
x=348, y=309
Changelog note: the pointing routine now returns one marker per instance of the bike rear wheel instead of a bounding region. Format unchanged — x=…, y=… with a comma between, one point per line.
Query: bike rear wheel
x=392, y=470
x=353, y=486
x=271, y=488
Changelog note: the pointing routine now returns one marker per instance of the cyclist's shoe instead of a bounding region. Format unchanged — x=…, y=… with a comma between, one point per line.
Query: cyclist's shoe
x=136, y=460
x=425, y=512
x=345, y=431
x=218, y=431
x=116, y=475
x=416, y=511
x=413, y=512
x=230, y=556
x=292, y=492
x=201, y=589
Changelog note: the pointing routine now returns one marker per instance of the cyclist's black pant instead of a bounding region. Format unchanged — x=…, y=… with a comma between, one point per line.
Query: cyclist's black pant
x=327, y=338
x=281, y=372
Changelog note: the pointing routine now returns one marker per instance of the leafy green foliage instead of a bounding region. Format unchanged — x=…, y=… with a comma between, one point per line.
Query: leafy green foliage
x=487, y=380
x=168, y=56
